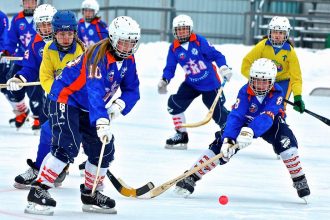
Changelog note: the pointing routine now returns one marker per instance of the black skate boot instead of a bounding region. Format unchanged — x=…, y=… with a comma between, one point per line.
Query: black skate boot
x=179, y=141
x=300, y=183
x=82, y=168
x=96, y=203
x=186, y=186
x=24, y=180
x=39, y=200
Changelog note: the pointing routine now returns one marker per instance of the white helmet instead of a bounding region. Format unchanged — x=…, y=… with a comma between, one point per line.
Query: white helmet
x=44, y=13
x=279, y=24
x=183, y=21
x=262, y=76
x=125, y=31
x=91, y=4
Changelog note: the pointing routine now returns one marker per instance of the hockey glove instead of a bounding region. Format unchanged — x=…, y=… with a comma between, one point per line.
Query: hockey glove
x=103, y=130
x=115, y=108
x=162, y=86
x=226, y=149
x=13, y=83
x=299, y=104
x=2, y=59
x=225, y=72
x=245, y=137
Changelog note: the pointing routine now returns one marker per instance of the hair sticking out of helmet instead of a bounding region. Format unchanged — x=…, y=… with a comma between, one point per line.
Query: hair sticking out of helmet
x=29, y=6
x=87, y=5
x=42, y=17
x=182, y=28
x=124, y=34
x=278, y=31
x=262, y=76
x=64, y=25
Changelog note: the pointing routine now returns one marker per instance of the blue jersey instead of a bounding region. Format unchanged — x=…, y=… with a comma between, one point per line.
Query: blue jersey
x=248, y=111
x=76, y=86
x=196, y=62
x=3, y=29
x=32, y=59
x=91, y=33
x=21, y=32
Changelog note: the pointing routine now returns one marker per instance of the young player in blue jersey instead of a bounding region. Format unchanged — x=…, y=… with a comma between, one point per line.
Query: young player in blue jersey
x=20, y=34
x=258, y=112
x=80, y=111
x=56, y=54
x=42, y=17
x=278, y=48
x=4, y=65
x=91, y=29
x=195, y=54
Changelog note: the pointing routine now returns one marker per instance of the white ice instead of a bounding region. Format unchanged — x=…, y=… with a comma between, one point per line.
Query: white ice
x=257, y=184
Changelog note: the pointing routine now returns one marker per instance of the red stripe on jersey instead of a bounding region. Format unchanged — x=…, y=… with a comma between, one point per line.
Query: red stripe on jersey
x=75, y=86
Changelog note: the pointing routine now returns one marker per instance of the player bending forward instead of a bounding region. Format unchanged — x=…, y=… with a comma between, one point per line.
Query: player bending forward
x=258, y=112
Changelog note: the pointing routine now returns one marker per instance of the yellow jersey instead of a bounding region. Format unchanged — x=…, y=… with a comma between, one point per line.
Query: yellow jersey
x=286, y=60
x=53, y=62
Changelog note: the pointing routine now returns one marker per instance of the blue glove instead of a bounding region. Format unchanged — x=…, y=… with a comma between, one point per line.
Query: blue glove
x=299, y=104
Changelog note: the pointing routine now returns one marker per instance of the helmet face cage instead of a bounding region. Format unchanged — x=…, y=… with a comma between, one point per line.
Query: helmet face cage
x=262, y=76
x=90, y=5
x=278, y=26
x=64, y=21
x=182, y=28
x=29, y=8
x=124, y=34
x=42, y=17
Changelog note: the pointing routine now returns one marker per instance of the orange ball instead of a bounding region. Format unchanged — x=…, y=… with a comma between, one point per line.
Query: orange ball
x=223, y=200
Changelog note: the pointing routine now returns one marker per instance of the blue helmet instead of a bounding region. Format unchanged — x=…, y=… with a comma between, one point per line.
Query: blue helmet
x=64, y=21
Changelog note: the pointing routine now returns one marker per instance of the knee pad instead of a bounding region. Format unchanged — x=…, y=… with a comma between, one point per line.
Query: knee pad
x=173, y=108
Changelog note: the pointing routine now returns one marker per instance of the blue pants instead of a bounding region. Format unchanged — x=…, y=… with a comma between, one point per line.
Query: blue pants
x=45, y=142
x=70, y=127
x=279, y=135
x=180, y=101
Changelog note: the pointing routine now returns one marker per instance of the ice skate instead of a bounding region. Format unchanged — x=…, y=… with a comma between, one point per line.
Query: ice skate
x=178, y=142
x=39, y=200
x=20, y=119
x=186, y=186
x=98, y=202
x=300, y=183
x=24, y=180
x=36, y=126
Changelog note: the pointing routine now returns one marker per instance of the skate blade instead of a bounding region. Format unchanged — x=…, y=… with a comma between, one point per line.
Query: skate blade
x=305, y=198
x=33, y=208
x=176, y=147
x=182, y=192
x=96, y=209
x=36, y=132
x=21, y=186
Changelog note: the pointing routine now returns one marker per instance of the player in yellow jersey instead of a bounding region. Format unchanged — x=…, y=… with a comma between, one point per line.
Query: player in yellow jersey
x=278, y=48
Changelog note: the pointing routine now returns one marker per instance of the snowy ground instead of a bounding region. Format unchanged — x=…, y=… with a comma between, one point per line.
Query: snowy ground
x=257, y=184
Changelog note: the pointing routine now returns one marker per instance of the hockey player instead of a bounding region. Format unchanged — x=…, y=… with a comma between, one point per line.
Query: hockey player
x=56, y=54
x=91, y=29
x=42, y=17
x=20, y=34
x=278, y=48
x=195, y=54
x=79, y=113
x=4, y=65
x=258, y=112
